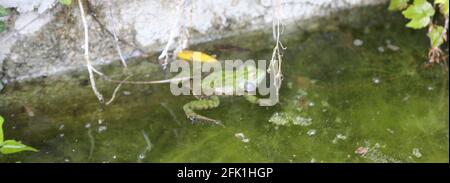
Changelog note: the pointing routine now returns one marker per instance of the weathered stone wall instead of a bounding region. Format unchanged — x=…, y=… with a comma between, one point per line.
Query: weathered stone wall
x=44, y=37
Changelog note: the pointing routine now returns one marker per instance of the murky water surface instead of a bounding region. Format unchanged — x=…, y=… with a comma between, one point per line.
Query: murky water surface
x=346, y=88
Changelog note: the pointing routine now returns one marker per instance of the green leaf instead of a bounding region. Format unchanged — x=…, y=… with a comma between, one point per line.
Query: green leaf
x=65, y=2
x=418, y=23
x=395, y=5
x=436, y=36
x=420, y=14
x=1, y=128
x=12, y=146
x=3, y=11
x=443, y=4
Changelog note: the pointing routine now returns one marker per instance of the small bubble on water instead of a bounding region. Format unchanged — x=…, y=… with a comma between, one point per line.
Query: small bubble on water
x=61, y=135
x=141, y=156
x=88, y=125
x=311, y=132
x=311, y=104
x=358, y=42
x=381, y=49
x=376, y=80
x=126, y=93
x=430, y=88
x=114, y=157
x=61, y=127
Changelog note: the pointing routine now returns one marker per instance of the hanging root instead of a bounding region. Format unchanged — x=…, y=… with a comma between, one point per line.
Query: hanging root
x=276, y=60
x=179, y=30
x=86, y=55
x=116, y=90
x=91, y=70
x=116, y=39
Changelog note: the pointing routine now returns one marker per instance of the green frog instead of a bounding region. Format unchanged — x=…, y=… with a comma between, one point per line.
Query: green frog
x=244, y=79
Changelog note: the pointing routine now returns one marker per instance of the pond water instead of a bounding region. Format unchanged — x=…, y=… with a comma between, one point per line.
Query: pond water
x=355, y=90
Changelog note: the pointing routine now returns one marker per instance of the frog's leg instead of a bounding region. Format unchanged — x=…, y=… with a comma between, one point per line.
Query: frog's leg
x=203, y=104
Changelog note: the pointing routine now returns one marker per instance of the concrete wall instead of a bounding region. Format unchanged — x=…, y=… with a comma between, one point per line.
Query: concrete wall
x=44, y=37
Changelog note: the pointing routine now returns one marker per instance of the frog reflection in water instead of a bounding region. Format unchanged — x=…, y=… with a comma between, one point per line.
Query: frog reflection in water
x=244, y=80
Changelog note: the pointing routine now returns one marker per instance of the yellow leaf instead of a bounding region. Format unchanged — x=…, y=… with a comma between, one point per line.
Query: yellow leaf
x=195, y=56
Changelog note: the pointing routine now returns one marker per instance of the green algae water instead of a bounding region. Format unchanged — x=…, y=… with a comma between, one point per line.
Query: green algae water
x=354, y=90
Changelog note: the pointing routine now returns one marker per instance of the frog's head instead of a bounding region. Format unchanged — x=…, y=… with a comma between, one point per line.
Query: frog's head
x=252, y=77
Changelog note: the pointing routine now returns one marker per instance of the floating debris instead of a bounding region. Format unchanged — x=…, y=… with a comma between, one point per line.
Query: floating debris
x=28, y=110
x=102, y=128
x=373, y=153
x=141, y=156
x=311, y=132
x=381, y=49
x=406, y=98
x=390, y=131
x=393, y=47
x=311, y=104
x=416, y=153
x=430, y=88
x=242, y=137
x=279, y=119
x=358, y=42
x=339, y=137
x=61, y=127
x=299, y=120
x=362, y=151
x=88, y=125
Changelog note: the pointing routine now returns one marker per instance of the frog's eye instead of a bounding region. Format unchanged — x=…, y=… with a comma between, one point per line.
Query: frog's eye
x=249, y=86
